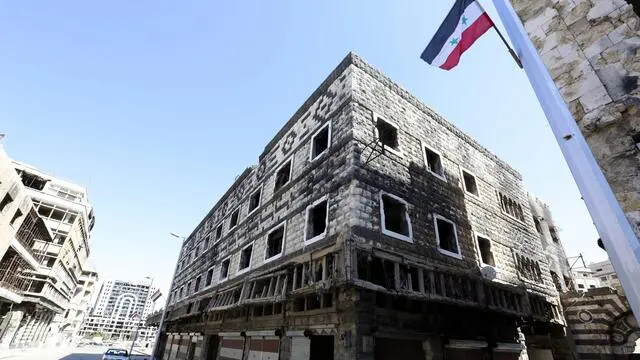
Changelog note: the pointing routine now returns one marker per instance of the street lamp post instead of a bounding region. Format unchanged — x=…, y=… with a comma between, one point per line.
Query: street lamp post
x=154, y=354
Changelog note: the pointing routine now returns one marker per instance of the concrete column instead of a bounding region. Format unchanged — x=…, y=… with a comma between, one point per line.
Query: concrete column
x=17, y=339
x=42, y=324
x=11, y=323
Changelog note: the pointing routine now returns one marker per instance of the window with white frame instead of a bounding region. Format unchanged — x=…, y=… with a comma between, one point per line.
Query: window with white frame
x=234, y=218
x=283, y=175
x=470, y=183
x=387, y=133
x=245, y=258
x=395, y=217
x=197, y=284
x=320, y=141
x=219, y=232
x=433, y=161
x=316, y=220
x=275, y=242
x=209, y=278
x=224, y=269
x=254, y=200
x=485, y=251
x=188, y=288
x=447, y=237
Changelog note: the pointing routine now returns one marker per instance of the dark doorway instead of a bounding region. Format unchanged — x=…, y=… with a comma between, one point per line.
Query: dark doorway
x=191, y=353
x=212, y=347
x=391, y=349
x=321, y=347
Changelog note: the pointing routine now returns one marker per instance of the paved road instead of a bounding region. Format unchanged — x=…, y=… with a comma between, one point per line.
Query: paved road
x=84, y=353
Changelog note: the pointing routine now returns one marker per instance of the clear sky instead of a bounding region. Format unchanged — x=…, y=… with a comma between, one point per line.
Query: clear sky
x=157, y=106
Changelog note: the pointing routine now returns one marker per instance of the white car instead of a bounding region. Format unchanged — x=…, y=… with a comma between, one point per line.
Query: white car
x=116, y=354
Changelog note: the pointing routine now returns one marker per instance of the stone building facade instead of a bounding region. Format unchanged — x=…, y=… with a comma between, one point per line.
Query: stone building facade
x=370, y=224
x=591, y=50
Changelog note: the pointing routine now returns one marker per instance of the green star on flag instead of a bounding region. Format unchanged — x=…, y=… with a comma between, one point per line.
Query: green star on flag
x=454, y=41
x=464, y=20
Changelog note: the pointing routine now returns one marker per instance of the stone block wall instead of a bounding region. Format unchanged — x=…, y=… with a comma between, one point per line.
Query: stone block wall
x=310, y=180
x=405, y=175
x=591, y=50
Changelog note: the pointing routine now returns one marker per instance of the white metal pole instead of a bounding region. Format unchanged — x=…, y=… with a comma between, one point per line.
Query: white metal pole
x=154, y=354
x=617, y=235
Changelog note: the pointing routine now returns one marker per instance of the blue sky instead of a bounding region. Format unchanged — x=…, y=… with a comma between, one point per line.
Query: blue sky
x=157, y=106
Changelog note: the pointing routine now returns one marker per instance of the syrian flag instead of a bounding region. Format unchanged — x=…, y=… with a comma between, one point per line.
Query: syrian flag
x=464, y=24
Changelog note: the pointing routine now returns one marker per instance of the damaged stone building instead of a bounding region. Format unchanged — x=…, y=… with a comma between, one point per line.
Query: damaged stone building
x=370, y=228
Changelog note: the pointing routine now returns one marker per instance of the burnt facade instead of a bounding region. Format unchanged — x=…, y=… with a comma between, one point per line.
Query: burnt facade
x=370, y=225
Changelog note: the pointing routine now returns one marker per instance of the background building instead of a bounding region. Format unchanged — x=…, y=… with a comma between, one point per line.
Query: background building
x=54, y=287
x=24, y=238
x=603, y=270
x=554, y=250
x=120, y=308
x=584, y=279
x=370, y=224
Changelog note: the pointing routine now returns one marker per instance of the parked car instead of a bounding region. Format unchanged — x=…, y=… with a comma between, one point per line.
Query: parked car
x=116, y=354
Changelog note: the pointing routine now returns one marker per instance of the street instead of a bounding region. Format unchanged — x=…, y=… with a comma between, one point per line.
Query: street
x=81, y=353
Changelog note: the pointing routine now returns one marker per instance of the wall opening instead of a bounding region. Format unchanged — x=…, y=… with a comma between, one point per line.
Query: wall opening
x=395, y=215
x=387, y=134
x=275, y=240
x=470, y=184
x=486, y=255
x=245, y=257
x=446, y=236
x=283, y=176
x=316, y=220
x=320, y=142
x=434, y=162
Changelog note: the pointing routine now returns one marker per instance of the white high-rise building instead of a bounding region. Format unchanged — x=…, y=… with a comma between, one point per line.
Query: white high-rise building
x=121, y=307
x=603, y=270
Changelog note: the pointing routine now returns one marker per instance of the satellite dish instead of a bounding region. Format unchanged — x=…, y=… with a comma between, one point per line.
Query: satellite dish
x=489, y=272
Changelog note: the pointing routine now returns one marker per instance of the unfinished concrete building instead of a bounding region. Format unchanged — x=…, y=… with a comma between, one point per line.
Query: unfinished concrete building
x=371, y=228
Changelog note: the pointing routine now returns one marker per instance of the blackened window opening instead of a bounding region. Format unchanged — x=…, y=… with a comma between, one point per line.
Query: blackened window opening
x=317, y=220
x=387, y=134
x=275, y=240
x=320, y=142
x=470, y=183
x=485, y=251
x=434, y=162
x=446, y=235
x=245, y=257
x=234, y=218
x=283, y=176
x=254, y=201
x=395, y=215
x=224, y=269
x=209, y=278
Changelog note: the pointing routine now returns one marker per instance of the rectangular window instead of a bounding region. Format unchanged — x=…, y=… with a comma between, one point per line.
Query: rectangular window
x=188, y=288
x=603, y=278
x=197, y=287
x=219, y=232
x=387, y=134
x=181, y=292
x=206, y=241
x=245, y=258
x=433, y=161
x=18, y=214
x=554, y=234
x=316, y=224
x=197, y=252
x=254, y=200
x=446, y=237
x=395, y=217
x=283, y=175
x=234, y=219
x=209, y=278
x=275, y=242
x=6, y=200
x=470, y=184
x=486, y=255
x=224, y=269
x=510, y=207
x=536, y=222
x=320, y=141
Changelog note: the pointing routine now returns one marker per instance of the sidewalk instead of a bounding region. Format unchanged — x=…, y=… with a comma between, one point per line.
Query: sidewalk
x=13, y=353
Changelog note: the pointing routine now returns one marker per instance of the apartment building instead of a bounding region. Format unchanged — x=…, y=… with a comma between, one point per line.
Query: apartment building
x=67, y=214
x=120, y=309
x=23, y=237
x=584, y=279
x=369, y=225
x=603, y=270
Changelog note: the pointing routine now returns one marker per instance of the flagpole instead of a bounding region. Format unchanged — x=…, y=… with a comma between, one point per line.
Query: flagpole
x=513, y=53
x=615, y=231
